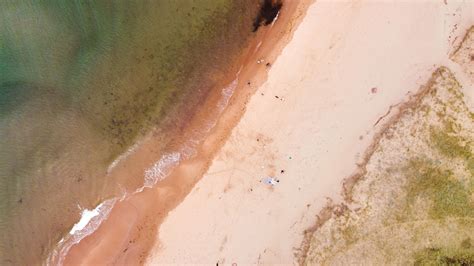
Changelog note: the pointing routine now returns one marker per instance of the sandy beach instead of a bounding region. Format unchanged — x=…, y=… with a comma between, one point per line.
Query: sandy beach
x=333, y=87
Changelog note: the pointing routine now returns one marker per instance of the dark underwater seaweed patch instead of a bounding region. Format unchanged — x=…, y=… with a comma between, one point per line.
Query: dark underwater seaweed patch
x=268, y=12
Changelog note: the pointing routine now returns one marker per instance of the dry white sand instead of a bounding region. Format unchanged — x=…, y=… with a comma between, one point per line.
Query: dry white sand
x=312, y=131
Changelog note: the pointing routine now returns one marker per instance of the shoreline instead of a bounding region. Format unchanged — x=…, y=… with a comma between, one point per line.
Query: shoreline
x=102, y=244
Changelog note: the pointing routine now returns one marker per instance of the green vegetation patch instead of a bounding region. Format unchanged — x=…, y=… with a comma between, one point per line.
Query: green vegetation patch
x=450, y=145
x=470, y=167
x=450, y=197
x=443, y=256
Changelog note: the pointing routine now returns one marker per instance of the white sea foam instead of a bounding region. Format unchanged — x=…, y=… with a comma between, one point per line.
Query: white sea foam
x=227, y=93
x=161, y=169
x=276, y=18
x=89, y=222
x=122, y=157
x=86, y=217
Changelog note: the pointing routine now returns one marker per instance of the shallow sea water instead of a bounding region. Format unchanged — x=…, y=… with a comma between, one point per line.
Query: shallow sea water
x=80, y=82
